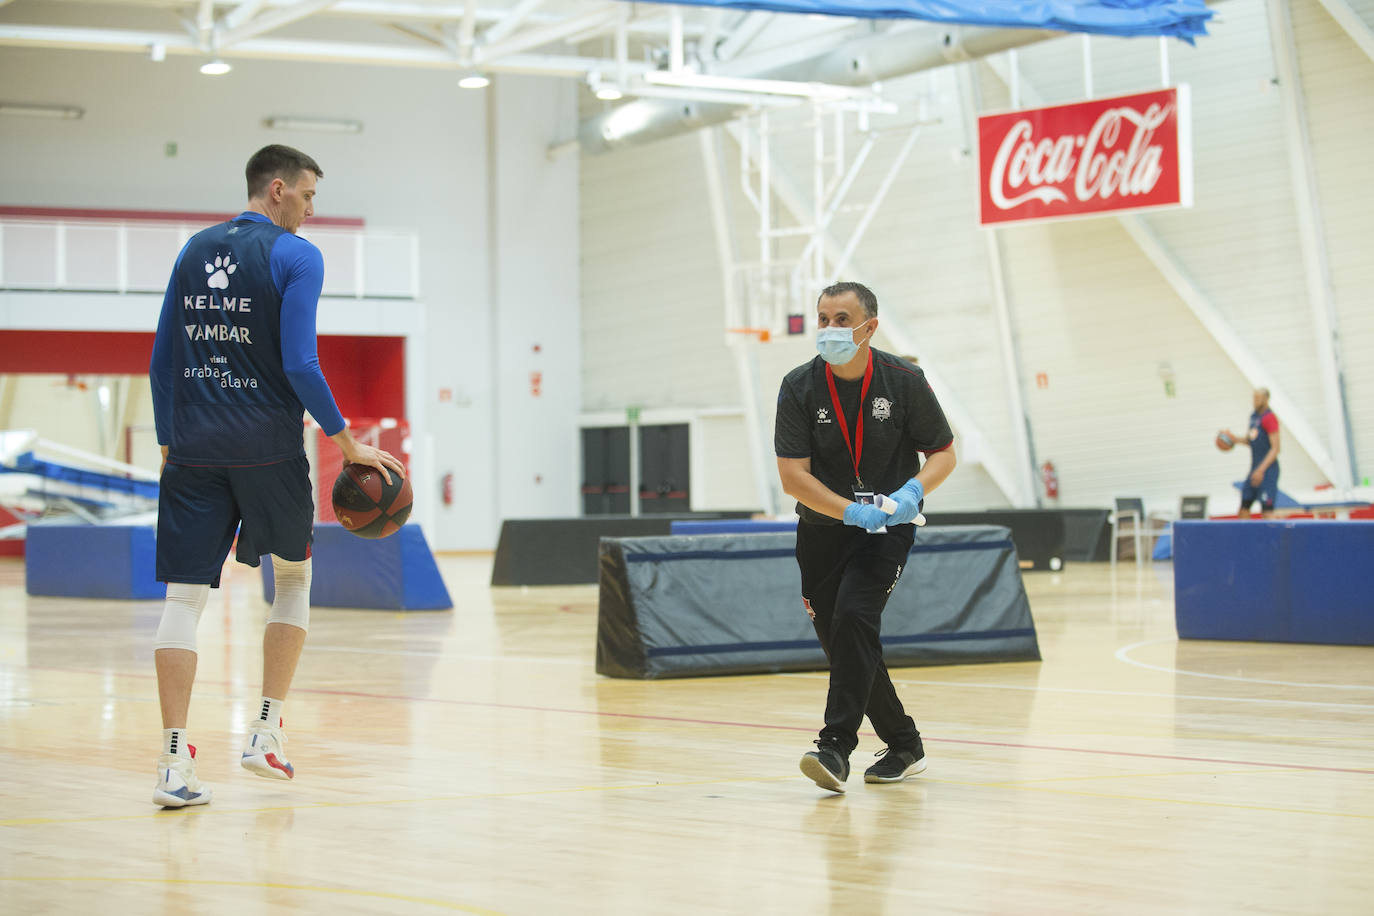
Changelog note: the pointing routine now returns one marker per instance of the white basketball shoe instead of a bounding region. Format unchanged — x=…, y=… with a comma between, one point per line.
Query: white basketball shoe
x=177, y=784
x=265, y=752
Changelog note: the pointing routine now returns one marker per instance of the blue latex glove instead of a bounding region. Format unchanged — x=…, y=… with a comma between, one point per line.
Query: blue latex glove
x=866, y=516
x=908, y=500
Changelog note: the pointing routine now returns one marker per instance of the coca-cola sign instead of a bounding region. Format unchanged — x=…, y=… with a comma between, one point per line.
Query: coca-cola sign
x=1124, y=153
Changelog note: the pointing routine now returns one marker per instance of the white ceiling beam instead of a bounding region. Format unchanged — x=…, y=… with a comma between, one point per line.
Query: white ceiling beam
x=205, y=22
x=1354, y=26
x=304, y=50
x=742, y=35
x=528, y=40
x=273, y=19
x=512, y=21
x=430, y=35
x=240, y=14
x=467, y=32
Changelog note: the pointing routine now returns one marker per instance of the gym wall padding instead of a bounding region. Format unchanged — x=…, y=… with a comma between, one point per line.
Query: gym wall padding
x=731, y=604
x=392, y=573
x=1039, y=533
x=562, y=551
x=1275, y=581
x=92, y=561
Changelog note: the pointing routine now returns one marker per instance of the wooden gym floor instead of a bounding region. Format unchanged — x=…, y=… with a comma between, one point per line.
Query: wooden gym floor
x=474, y=761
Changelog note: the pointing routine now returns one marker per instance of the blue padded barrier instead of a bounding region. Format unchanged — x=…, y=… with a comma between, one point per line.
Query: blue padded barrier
x=731, y=604
x=92, y=561
x=393, y=573
x=1301, y=580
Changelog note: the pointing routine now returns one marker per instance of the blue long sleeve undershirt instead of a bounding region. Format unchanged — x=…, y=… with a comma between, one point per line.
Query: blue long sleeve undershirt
x=298, y=271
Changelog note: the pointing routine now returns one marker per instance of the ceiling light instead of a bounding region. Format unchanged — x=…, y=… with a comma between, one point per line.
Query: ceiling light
x=323, y=125
x=62, y=112
x=474, y=81
x=215, y=67
x=609, y=93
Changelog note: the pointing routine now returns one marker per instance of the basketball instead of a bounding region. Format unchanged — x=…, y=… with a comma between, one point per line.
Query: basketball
x=1225, y=442
x=367, y=505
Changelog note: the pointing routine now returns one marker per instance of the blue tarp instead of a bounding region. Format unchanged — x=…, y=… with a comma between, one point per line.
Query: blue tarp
x=1183, y=19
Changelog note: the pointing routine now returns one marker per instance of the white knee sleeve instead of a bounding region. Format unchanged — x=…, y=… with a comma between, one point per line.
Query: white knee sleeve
x=291, y=605
x=180, y=615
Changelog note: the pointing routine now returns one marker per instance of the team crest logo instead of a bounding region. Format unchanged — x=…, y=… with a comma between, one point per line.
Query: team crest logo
x=822, y=415
x=219, y=271
x=882, y=409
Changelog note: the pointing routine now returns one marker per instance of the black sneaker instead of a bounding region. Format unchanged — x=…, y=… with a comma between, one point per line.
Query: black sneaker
x=826, y=766
x=897, y=764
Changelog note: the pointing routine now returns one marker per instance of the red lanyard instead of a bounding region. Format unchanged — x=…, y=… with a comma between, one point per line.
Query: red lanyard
x=856, y=450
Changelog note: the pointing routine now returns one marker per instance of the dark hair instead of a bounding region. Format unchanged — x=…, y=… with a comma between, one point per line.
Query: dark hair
x=864, y=294
x=277, y=161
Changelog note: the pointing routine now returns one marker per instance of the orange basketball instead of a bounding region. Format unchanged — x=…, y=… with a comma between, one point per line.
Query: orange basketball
x=1225, y=442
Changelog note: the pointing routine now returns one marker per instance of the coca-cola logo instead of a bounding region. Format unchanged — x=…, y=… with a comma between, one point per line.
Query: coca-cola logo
x=1103, y=155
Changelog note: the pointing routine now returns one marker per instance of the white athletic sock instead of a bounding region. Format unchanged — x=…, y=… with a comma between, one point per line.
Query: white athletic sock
x=270, y=711
x=174, y=742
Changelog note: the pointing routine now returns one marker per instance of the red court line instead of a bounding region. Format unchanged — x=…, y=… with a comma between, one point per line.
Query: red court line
x=757, y=725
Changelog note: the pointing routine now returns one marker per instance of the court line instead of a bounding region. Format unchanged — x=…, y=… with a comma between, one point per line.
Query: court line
x=271, y=885
x=1122, y=655
x=754, y=725
x=1368, y=707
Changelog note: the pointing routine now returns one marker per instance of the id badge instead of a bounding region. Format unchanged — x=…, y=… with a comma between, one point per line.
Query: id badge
x=867, y=498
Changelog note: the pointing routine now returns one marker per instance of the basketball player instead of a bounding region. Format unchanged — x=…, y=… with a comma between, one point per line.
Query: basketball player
x=1263, y=439
x=850, y=424
x=234, y=365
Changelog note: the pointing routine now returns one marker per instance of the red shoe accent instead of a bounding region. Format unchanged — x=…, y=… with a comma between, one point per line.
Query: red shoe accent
x=286, y=768
x=192, y=749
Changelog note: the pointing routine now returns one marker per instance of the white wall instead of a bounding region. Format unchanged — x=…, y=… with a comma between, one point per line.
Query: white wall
x=1088, y=308
x=535, y=298
x=421, y=163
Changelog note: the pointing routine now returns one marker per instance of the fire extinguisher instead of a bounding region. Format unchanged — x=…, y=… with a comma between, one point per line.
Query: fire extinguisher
x=446, y=489
x=1051, y=480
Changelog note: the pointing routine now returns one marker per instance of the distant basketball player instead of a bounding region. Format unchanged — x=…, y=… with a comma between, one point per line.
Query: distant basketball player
x=234, y=366
x=850, y=424
x=1263, y=438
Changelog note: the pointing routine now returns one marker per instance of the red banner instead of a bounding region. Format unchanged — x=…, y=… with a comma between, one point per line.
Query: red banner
x=1106, y=155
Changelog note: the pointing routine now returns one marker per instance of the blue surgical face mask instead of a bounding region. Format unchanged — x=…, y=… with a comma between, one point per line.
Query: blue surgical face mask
x=836, y=345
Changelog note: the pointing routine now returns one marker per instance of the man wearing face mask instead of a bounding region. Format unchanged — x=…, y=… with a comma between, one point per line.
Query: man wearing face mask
x=850, y=424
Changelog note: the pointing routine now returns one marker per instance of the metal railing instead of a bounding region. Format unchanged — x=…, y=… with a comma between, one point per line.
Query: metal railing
x=136, y=256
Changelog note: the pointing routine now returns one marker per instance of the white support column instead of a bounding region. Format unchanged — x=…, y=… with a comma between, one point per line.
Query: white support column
x=1311, y=232
x=1027, y=494
x=746, y=361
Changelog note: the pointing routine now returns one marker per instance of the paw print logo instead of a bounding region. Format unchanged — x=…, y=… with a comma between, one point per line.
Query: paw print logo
x=219, y=272
x=822, y=414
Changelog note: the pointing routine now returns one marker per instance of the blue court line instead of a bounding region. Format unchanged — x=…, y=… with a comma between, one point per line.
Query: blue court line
x=788, y=551
x=812, y=644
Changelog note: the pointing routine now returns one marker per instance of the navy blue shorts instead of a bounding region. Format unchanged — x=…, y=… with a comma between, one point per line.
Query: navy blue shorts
x=1264, y=494
x=200, y=509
